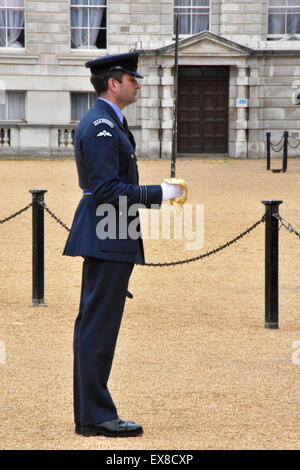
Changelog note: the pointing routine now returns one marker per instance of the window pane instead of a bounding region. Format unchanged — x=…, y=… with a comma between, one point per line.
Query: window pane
x=276, y=24
x=15, y=18
x=79, y=17
x=200, y=3
x=277, y=3
x=98, y=2
x=200, y=23
x=16, y=106
x=292, y=3
x=79, y=105
x=15, y=3
x=2, y=37
x=293, y=24
x=3, y=116
x=184, y=24
x=79, y=2
x=2, y=18
x=183, y=3
x=12, y=36
x=80, y=38
x=95, y=17
x=92, y=99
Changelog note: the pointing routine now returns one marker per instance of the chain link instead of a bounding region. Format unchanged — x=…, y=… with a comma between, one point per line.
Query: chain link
x=277, y=143
x=294, y=146
x=286, y=225
x=279, y=150
x=2, y=221
x=211, y=252
x=44, y=205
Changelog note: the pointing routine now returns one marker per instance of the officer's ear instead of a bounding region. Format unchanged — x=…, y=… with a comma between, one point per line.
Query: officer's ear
x=113, y=83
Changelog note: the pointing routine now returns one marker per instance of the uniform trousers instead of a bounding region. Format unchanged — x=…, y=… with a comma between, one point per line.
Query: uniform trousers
x=102, y=301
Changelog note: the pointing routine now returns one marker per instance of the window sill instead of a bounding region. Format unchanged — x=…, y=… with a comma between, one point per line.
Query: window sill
x=17, y=56
x=282, y=37
x=79, y=56
x=12, y=122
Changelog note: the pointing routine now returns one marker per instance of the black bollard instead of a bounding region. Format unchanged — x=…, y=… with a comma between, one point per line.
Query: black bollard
x=268, y=134
x=285, y=151
x=37, y=247
x=271, y=264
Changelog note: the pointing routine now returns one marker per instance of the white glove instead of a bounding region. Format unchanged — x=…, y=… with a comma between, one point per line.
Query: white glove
x=171, y=191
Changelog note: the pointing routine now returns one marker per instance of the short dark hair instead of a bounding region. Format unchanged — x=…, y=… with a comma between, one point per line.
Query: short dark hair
x=100, y=80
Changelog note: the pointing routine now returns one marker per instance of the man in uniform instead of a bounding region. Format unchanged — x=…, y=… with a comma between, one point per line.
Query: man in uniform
x=107, y=171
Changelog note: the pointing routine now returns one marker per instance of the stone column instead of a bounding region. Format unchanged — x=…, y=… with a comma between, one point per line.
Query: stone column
x=242, y=82
x=148, y=107
x=167, y=83
x=256, y=144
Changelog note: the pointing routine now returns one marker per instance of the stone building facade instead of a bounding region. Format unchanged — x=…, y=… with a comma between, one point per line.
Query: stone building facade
x=238, y=72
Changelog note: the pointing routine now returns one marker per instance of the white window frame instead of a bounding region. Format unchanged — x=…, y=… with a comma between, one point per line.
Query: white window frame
x=187, y=7
x=285, y=7
x=6, y=8
x=92, y=96
x=89, y=6
x=6, y=102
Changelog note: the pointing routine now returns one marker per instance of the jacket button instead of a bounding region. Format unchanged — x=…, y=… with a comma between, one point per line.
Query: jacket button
x=132, y=156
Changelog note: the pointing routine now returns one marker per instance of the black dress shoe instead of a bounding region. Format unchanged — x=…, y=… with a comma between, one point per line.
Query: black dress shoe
x=113, y=428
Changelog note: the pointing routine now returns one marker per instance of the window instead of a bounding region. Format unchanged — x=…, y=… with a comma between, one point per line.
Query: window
x=88, y=24
x=80, y=103
x=193, y=16
x=12, y=106
x=12, y=32
x=284, y=17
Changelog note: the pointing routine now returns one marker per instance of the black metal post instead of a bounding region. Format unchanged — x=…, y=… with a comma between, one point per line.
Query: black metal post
x=285, y=151
x=174, y=131
x=268, y=134
x=271, y=263
x=37, y=247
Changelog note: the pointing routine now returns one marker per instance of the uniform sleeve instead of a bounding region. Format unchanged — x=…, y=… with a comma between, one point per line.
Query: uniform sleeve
x=100, y=153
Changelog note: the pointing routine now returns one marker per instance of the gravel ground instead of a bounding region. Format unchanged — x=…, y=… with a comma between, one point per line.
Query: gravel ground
x=194, y=364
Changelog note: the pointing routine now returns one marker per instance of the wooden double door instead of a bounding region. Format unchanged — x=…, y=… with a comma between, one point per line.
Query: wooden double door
x=202, y=110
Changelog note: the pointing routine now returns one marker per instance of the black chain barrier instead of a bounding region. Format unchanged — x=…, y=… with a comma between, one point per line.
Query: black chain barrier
x=277, y=144
x=271, y=218
x=2, y=221
x=294, y=146
x=270, y=145
x=173, y=263
x=60, y=222
x=287, y=225
x=208, y=253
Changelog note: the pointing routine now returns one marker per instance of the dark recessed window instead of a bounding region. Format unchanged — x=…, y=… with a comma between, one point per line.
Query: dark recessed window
x=80, y=103
x=12, y=31
x=193, y=16
x=284, y=17
x=88, y=24
x=12, y=106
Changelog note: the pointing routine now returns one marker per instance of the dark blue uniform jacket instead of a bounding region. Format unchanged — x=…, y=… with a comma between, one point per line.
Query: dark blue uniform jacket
x=107, y=168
